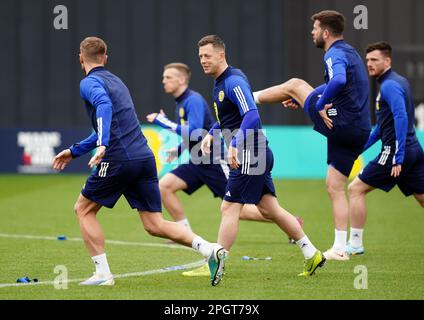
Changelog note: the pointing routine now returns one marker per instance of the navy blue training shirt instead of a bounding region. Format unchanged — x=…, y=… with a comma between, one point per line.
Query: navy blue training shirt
x=233, y=99
x=395, y=117
x=113, y=117
x=346, y=86
x=192, y=112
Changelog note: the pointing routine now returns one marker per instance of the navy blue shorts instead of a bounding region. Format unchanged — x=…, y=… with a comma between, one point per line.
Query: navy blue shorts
x=410, y=180
x=248, y=183
x=214, y=176
x=137, y=180
x=344, y=143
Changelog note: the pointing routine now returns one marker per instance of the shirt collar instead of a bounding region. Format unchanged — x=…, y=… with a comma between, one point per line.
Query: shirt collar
x=337, y=41
x=224, y=74
x=96, y=69
x=384, y=76
x=183, y=96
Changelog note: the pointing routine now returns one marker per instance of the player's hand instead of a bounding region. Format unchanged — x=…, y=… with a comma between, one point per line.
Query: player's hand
x=172, y=154
x=151, y=117
x=323, y=113
x=62, y=159
x=396, y=171
x=97, y=158
x=290, y=103
x=206, y=144
x=233, y=161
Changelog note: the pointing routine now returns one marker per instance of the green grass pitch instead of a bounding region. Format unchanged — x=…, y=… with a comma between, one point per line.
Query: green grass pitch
x=43, y=206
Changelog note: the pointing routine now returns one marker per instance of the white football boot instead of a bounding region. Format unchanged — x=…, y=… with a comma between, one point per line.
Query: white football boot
x=99, y=280
x=332, y=254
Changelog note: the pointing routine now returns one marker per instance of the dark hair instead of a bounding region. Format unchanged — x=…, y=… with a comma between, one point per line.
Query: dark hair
x=383, y=46
x=332, y=20
x=213, y=39
x=93, y=49
x=181, y=67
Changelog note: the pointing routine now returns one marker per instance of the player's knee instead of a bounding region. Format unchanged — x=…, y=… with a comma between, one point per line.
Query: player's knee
x=78, y=210
x=296, y=81
x=357, y=188
x=226, y=208
x=265, y=212
x=164, y=186
x=334, y=188
x=153, y=229
x=293, y=84
x=353, y=189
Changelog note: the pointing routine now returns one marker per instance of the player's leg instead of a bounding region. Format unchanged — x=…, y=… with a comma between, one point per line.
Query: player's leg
x=357, y=214
x=169, y=184
x=102, y=188
x=226, y=236
x=94, y=241
x=250, y=212
x=185, y=177
x=228, y=229
x=215, y=177
x=272, y=210
x=157, y=226
x=260, y=189
x=294, y=88
x=420, y=198
x=90, y=228
x=303, y=93
x=336, y=183
x=143, y=194
x=357, y=204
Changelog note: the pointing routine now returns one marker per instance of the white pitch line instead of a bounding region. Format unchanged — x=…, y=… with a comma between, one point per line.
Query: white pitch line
x=117, y=242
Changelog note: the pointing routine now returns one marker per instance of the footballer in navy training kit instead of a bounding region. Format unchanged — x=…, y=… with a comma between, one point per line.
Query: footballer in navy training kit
x=124, y=163
x=401, y=160
x=249, y=157
x=339, y=110
x=194, y=120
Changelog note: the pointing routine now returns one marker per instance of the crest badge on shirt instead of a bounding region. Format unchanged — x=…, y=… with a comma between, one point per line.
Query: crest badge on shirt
x=181, y=112
x=377, y=102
